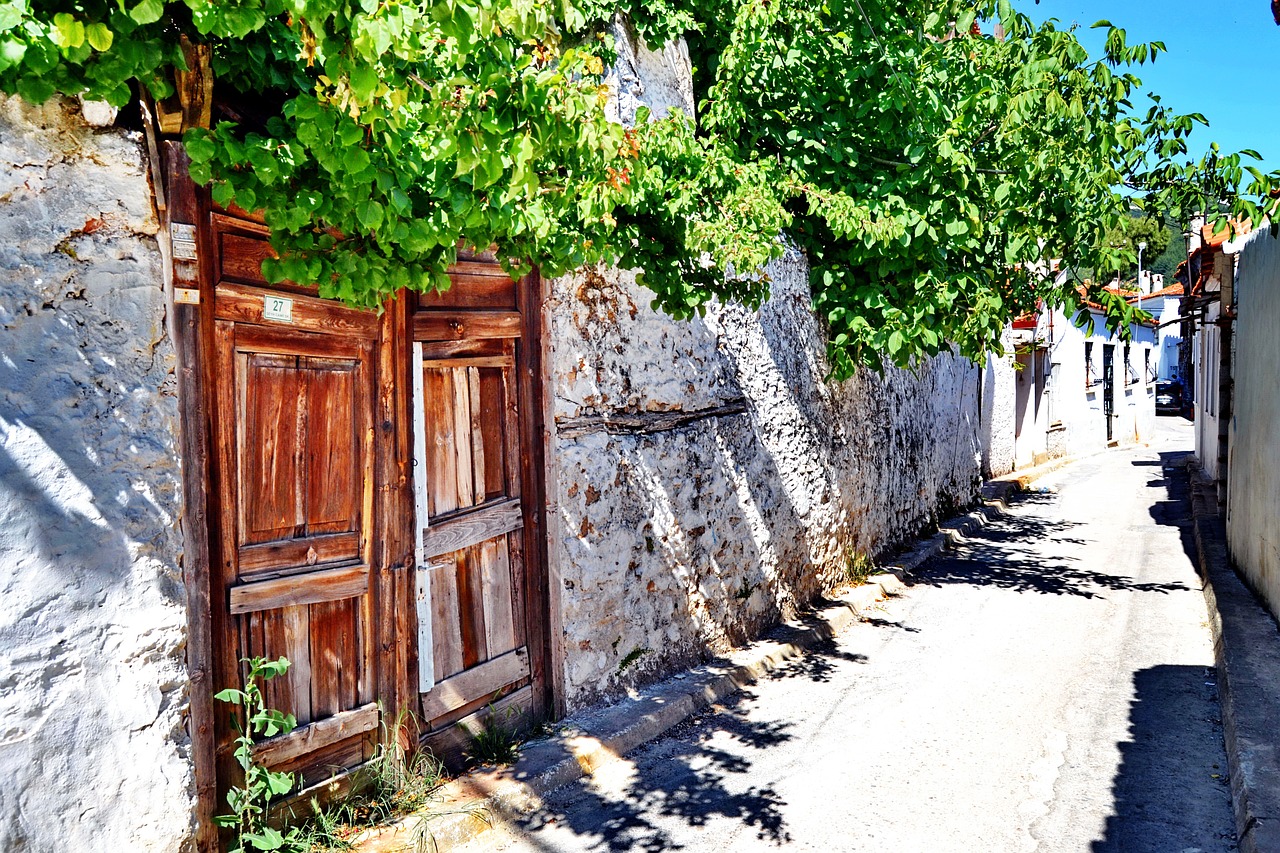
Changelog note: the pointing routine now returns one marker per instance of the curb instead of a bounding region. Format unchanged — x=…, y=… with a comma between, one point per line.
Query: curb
x=1246, y=650
x=483, y=800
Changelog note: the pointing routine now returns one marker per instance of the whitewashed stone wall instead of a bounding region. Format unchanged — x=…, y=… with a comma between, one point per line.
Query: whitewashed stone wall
x=93, y=749
x=706, y=479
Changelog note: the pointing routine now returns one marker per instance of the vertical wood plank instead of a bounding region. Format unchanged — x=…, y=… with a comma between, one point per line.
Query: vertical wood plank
x=332, y=457
x=476, y=437
x=491, y=432
x=442, y=474
x=446, y=630
x=471, y=607
x=495, y=579
x=278, y=692
x=352, y=656
x=462, y=439
x=266, y=435
x=392, y=605
x=515, y=569
x=302, y=407
x=513, y=380
x=296, y=625
x=532, y=472
x=326, y=658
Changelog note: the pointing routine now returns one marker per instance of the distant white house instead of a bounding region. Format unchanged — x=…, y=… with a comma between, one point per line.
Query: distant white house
x=1164, y=303
x=1076, y=389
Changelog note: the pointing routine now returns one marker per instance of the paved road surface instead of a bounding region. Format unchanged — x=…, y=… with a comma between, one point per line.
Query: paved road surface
x=1046, y=688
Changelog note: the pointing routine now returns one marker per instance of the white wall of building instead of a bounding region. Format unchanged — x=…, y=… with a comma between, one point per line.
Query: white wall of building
x=1169, y=334
x=93, y=749
x=1253, y=484
x=1206, y=361
x=707, y=478
x=1060, y=406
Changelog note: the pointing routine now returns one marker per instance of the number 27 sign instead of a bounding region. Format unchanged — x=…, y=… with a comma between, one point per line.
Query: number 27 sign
x=277, y=308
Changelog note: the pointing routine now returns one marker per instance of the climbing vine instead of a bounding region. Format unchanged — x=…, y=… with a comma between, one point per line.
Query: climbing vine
x=931, y=169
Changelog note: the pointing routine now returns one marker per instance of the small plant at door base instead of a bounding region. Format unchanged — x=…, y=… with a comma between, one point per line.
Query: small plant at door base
x=391, y=785
x=497, y=742
x=251, y=802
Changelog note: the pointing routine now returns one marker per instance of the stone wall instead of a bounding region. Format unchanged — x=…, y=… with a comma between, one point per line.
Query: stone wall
x=707, y=479
x=93, y=749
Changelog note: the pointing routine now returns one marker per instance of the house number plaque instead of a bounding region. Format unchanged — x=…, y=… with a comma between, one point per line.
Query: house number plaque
x=277, y=308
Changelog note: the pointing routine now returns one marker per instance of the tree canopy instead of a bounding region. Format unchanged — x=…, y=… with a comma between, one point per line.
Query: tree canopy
x=931, y=167
x=1140, y=231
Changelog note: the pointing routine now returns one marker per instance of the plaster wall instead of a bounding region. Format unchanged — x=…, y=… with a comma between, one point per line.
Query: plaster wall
x=1206, y=356
x=93, y=748
x=1135, y=401
x=1253, y=487
x=708, y=480
x=998, y=423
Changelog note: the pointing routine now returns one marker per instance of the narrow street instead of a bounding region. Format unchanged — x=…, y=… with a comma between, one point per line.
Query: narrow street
x=1046, y=687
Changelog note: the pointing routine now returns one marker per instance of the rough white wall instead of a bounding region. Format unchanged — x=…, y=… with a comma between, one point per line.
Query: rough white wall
x=707, y=479
x=998, y=420
x=93, y=749
x=1253, y=482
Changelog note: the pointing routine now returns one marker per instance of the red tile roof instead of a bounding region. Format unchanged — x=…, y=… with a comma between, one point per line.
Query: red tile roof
x=1171, y=290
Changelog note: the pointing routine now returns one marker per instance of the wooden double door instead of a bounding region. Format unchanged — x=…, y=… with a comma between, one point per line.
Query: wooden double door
x=478, y=579
x=375, y=513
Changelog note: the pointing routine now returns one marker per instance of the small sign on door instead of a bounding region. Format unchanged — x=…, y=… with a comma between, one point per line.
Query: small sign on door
x=277, y=308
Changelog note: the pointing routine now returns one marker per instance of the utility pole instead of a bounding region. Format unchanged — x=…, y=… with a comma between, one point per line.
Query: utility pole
x=1141, y=247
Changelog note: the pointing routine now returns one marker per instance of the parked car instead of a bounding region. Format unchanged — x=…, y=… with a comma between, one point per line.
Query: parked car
x=1169, y=397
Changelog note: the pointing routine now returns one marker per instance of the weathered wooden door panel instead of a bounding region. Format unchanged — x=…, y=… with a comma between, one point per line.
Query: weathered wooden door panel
x=294, y=402
x=473, y=514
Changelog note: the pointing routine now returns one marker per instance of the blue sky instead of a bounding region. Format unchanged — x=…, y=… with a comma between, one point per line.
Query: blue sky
x=1221, y=61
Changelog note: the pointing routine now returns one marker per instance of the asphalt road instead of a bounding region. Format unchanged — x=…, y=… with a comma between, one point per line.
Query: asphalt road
x=1046, y=687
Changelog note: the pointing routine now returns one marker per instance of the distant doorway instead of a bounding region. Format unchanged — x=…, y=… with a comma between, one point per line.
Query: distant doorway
x=1108, y=387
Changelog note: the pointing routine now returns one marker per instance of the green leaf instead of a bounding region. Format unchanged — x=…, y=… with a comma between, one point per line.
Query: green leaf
x=35, y=89
x=100, y=37
x=148, y=11
x=370, y=214
x=364, y=81
x=10, y=15
x=67, y=31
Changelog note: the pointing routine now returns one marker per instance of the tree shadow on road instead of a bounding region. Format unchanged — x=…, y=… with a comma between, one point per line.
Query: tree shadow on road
x=695, y=776
x=1170, y=791
x=1176, y=511
x=817, y=663
x=685, y=775
x=1004, y=554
